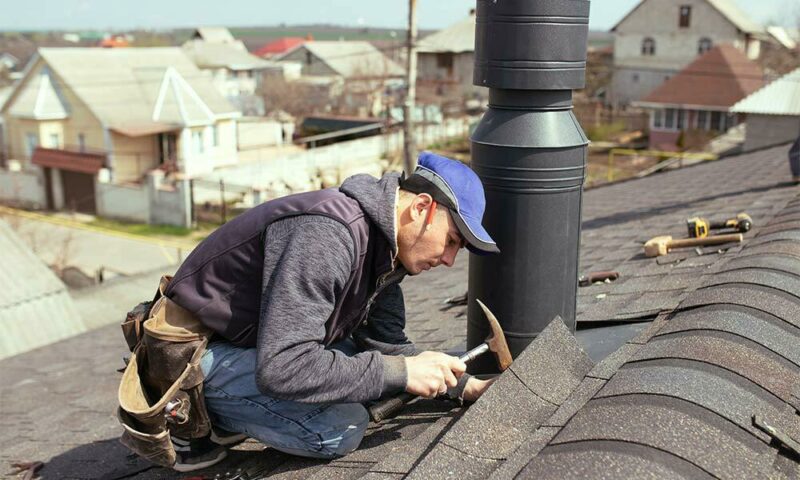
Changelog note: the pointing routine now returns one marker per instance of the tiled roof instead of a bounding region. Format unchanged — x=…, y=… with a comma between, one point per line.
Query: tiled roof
x=278, y=46
x=719, y=78
x=714, y=344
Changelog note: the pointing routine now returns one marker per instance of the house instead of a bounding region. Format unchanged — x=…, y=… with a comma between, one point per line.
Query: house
x=669, y=365
x=279, y=46
x=445, y=62
x=35, y=306
x=235, y=72
x=772, y=113
x=80, y=116
x=699, y=98
x=658, y=38
x=356, y=74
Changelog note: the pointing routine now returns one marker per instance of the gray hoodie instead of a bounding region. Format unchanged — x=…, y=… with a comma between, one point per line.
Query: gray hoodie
x=307, y=257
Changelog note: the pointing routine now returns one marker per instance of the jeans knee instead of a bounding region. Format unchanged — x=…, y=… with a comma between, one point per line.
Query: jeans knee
x=354, y=421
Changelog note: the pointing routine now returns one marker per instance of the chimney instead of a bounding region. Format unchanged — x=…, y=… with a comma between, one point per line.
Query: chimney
x=530, y=153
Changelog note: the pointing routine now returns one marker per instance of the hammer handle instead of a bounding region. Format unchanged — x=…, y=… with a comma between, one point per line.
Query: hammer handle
x=386, y=408
x=713, y=240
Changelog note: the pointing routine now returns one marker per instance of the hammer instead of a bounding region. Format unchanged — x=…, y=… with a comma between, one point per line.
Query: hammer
x=658, y=246
x=495, y=343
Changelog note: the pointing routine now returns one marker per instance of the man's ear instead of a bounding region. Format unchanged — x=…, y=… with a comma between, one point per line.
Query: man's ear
x=420, y=205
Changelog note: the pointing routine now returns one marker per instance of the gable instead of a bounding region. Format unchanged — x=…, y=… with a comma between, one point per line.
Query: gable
x=707, y=17
x=39, y=96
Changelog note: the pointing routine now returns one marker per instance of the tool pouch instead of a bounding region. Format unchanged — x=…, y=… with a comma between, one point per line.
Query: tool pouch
x=161, y=392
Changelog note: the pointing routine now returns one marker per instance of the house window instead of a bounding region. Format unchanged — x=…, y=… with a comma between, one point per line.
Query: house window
x=702, y=120
x=681, y=119
x=82, y=142
x=704, y=45
x=55, y=140
x=197, y=141
x=669, y=121
x=648, y=47
x=685, y=16
x=214, y=136
x=309, y=57
x=658, y=118
x=31, y=142
x=716, y=120
x=444, y=60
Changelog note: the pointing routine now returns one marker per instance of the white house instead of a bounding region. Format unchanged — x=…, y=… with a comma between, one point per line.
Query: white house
x=83, y=115
x=658, y=38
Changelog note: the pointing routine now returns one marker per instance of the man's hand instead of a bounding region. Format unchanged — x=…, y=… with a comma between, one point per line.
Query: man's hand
x=431, y=373
x=475, y=388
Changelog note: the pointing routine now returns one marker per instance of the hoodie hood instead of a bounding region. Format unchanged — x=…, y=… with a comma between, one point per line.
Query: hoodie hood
x=377, y=197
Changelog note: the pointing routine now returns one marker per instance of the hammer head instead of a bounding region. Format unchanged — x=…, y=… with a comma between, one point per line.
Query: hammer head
x=497, y=340
x=657, y=246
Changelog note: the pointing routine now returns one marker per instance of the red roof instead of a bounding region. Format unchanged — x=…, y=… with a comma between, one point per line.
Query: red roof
x=719, y=78
x=279, y=46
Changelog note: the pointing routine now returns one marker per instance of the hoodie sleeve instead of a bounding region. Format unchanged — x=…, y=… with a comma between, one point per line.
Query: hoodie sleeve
x=385, y=332
x=307, y=263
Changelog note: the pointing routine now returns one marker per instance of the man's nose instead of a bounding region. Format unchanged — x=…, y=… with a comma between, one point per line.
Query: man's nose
x=449, y=257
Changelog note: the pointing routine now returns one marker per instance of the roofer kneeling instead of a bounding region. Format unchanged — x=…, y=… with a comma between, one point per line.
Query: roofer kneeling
x=302, y=297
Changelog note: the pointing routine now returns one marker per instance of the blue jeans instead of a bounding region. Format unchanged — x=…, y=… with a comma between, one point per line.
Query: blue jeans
x=234, y=403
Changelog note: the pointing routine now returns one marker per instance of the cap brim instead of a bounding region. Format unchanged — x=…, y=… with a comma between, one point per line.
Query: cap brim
x=478, y=240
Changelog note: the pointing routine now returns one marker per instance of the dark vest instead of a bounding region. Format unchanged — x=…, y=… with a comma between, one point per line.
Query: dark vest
x=221, y=280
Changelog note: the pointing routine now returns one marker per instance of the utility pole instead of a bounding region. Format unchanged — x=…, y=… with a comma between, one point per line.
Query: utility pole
x=409, y=139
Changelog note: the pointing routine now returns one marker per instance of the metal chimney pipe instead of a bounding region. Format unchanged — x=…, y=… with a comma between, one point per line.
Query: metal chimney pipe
x=530, y=153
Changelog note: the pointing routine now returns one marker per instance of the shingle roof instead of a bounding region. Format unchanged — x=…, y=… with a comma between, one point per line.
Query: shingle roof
x=719, y=78
x=716, y=341
x=106, y=80
x=457, y=38
x=781, y=97
x=35, y=307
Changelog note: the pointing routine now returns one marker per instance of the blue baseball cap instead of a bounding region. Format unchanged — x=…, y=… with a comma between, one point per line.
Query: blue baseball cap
x=455, y=186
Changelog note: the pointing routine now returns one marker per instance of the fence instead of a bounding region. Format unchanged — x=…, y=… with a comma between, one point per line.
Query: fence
x=330, y=164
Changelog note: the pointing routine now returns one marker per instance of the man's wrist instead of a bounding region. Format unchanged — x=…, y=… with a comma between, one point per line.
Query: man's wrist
x=395, y=374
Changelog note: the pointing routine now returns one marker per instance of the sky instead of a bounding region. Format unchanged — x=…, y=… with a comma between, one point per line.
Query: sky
x=162, y=14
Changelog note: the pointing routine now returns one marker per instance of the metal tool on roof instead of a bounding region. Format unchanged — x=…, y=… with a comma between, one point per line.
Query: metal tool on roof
x=456, y=301
x=663, y=244
x=790, y=443
x=592, y=277
x=700, y=227
x=495, y=343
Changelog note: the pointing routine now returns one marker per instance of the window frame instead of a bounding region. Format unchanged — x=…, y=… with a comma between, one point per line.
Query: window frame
x=684, y=16
x=648, y=47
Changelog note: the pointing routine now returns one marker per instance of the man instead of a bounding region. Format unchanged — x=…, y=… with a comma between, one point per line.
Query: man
x=303, y=295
